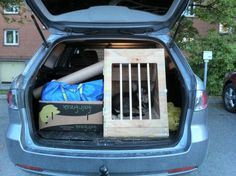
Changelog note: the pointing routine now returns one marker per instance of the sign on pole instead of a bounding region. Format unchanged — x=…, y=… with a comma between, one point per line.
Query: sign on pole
x=207, y=55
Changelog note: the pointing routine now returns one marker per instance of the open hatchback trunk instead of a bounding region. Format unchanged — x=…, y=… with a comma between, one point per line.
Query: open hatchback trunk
x=125, y=99
x=108, y=15
x=73, y=55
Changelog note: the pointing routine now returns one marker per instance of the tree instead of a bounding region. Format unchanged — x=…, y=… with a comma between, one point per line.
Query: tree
x=11, y=19
x=217, y=11
x=223, y=46
x=5, y=2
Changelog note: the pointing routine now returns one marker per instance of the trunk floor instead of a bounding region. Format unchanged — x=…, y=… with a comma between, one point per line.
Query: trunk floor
x=91, y=136
x=70, y=135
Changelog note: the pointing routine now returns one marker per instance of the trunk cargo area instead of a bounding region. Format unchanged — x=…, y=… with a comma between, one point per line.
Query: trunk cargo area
x=71, y=56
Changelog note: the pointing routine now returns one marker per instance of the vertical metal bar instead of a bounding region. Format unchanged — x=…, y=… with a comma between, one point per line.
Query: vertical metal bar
x=205, y=72
x=121, y=93
x=139, y=92
x=149, y=91
x=130, y=94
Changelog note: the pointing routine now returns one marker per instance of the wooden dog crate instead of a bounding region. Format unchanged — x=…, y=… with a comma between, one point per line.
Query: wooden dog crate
x=125, y=69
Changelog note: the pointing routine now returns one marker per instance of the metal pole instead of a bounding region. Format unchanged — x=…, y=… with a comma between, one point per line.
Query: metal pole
x=205, y=72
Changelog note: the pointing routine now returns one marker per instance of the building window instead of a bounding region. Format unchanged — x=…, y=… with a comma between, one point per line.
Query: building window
x=224, y=29
x=189, y=12
x=187, y=39
x=11, y=37
x=11, y=9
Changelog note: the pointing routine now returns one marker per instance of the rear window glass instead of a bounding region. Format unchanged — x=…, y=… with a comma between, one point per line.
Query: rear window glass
x=57, y=7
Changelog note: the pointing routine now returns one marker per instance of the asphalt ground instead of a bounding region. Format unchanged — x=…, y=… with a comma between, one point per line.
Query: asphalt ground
x=220, y=160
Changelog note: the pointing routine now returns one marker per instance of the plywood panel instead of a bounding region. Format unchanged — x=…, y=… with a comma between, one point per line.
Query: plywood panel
x=154, y=126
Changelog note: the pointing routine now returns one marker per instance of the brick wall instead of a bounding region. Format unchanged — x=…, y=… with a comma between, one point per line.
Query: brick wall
x=203, y=27
x=29, y=38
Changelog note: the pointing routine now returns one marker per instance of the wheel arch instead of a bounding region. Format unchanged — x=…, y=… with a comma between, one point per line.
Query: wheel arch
x=227, y=82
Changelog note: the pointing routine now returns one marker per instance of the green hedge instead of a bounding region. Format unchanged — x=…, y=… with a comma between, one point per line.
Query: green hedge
x=224, y=58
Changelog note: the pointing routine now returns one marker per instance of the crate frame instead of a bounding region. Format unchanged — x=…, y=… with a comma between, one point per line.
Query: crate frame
x=135, y=127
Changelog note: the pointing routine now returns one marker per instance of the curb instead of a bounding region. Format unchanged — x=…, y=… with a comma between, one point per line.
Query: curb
x=215, y=100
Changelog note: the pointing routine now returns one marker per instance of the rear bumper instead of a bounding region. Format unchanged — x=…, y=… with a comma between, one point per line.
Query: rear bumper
x=56, y=164
x=55, y=161
x=78, y=165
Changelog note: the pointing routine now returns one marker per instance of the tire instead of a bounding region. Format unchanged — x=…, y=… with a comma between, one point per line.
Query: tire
x=229, y=97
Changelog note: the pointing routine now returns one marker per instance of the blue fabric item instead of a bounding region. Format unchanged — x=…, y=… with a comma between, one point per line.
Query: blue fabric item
x=59, y=91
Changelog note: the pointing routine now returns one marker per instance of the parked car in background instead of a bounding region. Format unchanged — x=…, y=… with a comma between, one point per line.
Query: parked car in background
x=229, y=92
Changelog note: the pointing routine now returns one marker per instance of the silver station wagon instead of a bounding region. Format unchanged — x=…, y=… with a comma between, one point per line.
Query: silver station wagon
x=81, y=31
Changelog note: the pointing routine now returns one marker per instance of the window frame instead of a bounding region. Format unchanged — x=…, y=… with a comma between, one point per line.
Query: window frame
x=189, y=10
x=15, y=37
x=224, y=29
x=16, y=7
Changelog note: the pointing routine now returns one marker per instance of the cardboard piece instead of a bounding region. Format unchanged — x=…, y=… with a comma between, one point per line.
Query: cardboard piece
x=54, y=114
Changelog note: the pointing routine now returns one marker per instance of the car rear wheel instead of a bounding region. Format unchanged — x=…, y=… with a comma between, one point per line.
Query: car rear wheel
x=229, y=96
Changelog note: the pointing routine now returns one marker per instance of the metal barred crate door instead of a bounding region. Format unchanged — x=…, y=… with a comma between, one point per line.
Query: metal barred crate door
x=135, y=101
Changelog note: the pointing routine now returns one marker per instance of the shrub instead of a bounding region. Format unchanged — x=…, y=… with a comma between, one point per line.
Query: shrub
x=224, y=58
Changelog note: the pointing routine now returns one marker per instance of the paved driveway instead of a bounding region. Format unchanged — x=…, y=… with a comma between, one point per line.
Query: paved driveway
x=220, y=161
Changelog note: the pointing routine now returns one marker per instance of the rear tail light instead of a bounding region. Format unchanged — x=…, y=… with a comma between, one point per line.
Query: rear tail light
x=33, y=168
x=201, y=100
x=12, y=99
x=180, y=170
